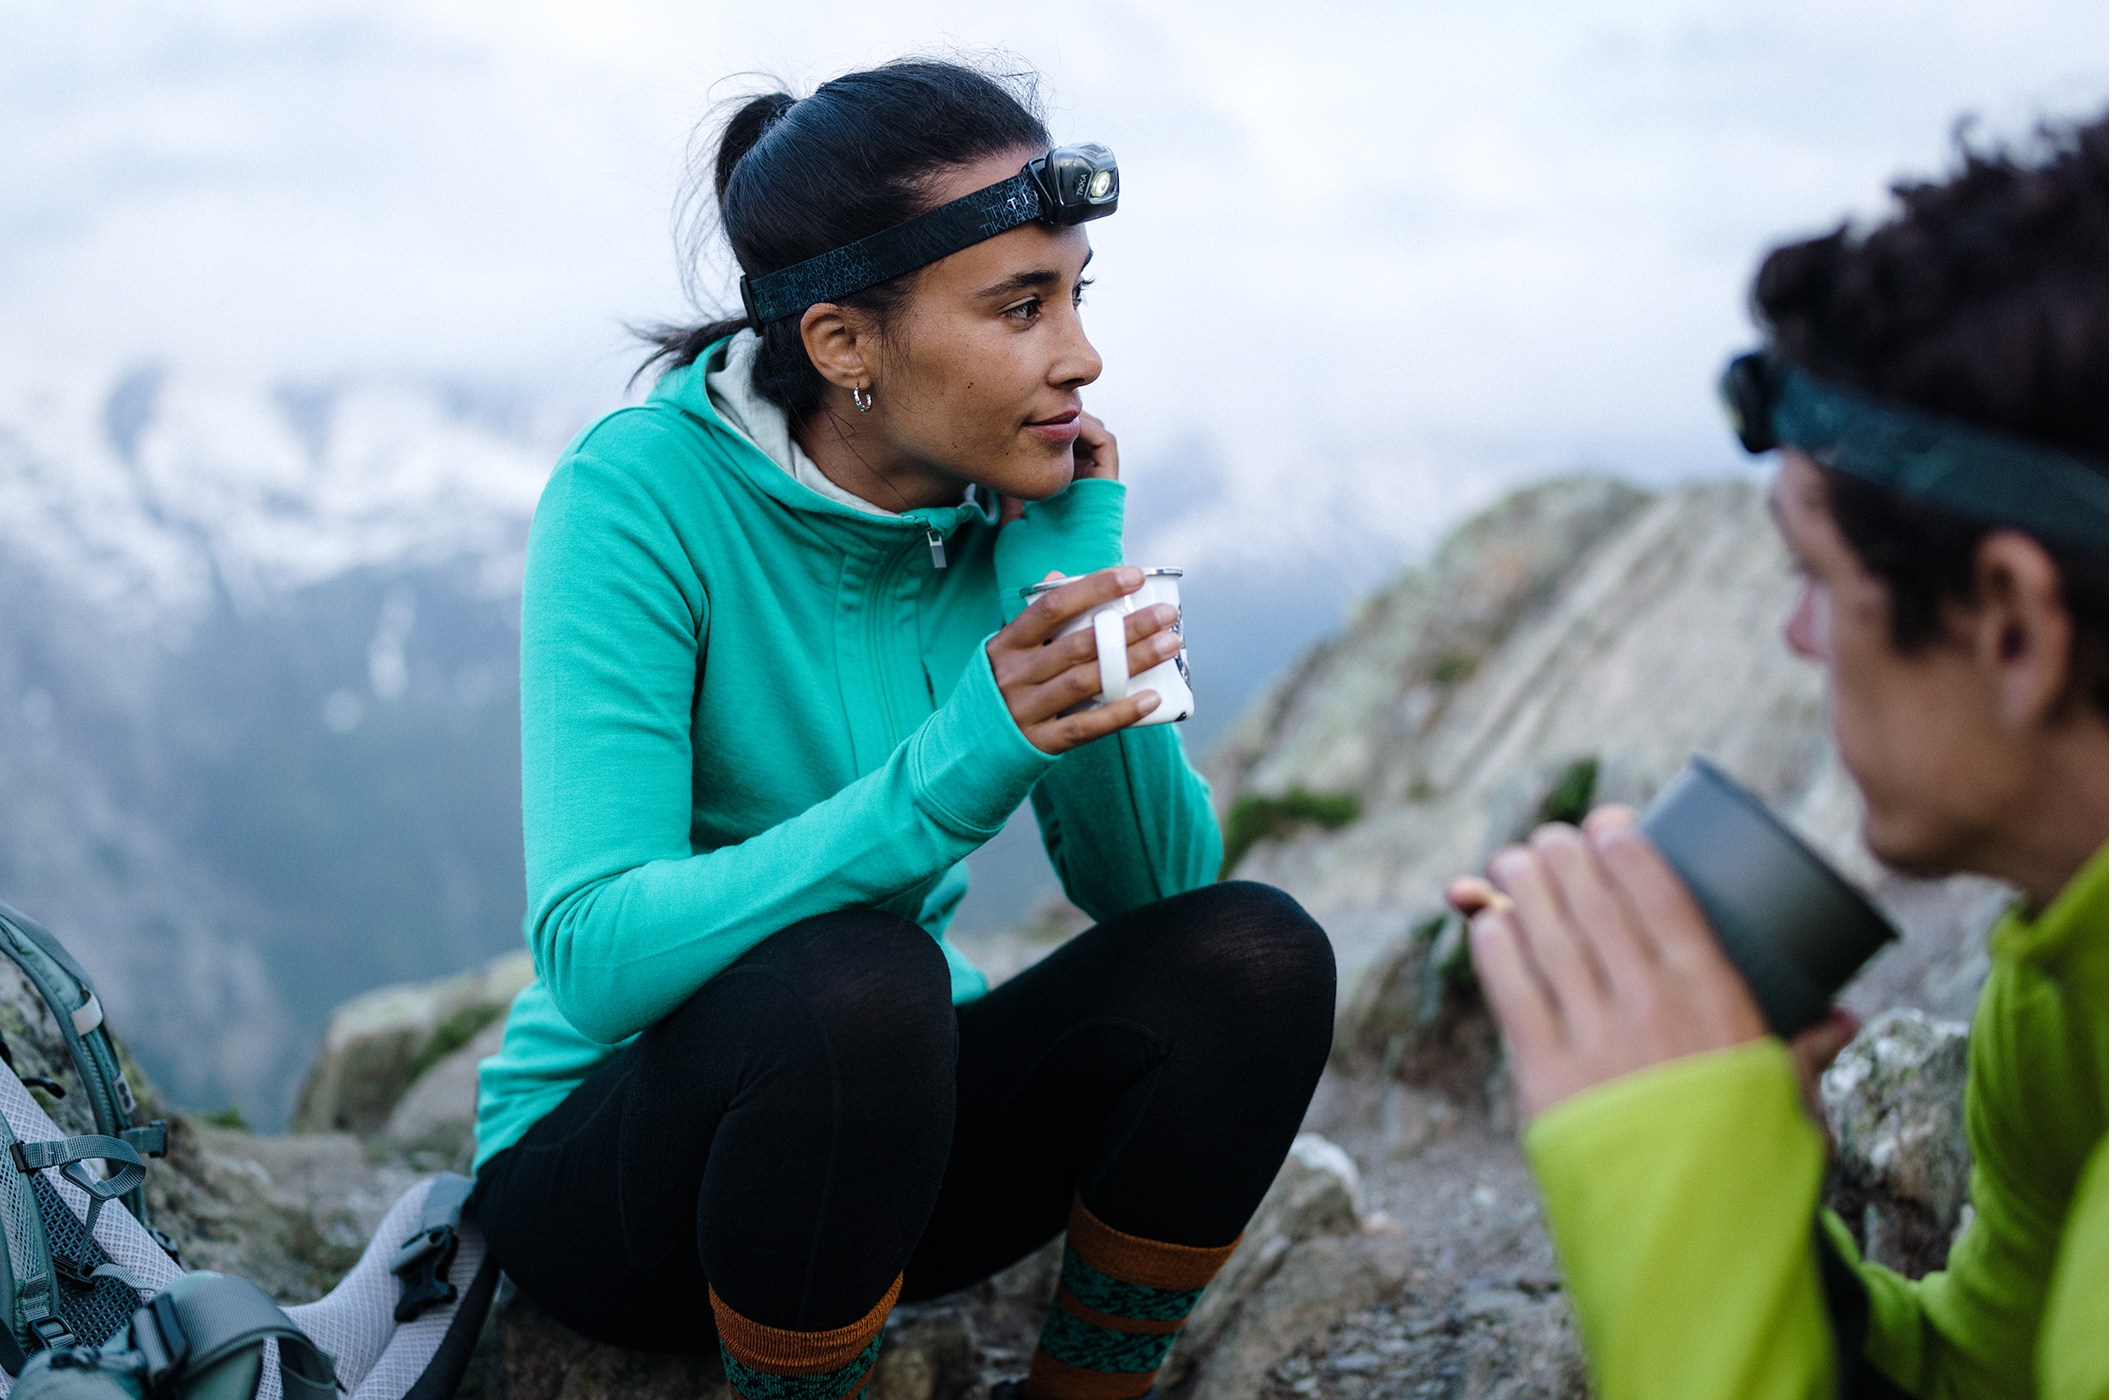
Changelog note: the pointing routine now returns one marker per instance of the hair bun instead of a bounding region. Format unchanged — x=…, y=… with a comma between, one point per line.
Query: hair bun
x=746, y=127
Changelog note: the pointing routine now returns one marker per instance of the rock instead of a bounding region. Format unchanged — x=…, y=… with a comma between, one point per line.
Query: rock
x=1492, y=1341
x=1314, y=1286
x=290, y=1213
x=1895, y=1100
x=1576, y=628
x=930, y=1354
x=376, y=1045
x=1314, y=1195
x=434, y=1124
x=531, y=1356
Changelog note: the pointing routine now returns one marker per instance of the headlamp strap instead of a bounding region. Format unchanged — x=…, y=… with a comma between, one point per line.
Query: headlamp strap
x=885, y=255
x=1951, y=465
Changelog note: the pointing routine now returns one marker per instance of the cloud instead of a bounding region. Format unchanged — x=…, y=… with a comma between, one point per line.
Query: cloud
x=1419, y=250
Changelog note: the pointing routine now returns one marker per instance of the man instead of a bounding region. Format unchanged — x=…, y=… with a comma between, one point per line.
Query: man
x=1937, y=386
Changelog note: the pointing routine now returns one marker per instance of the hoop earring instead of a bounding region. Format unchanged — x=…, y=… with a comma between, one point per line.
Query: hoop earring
x=865, y=403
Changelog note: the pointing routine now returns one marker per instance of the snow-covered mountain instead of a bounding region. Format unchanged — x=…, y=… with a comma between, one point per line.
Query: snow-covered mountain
x=258, y=737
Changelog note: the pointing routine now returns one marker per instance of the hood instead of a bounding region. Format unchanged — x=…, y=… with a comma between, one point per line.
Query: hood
x=718, y=390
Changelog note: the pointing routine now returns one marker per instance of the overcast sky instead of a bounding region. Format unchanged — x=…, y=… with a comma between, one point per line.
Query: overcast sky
x=1373, y=262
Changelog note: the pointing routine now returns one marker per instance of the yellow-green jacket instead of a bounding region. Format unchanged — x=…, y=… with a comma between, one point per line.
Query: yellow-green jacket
x=1682, y=1202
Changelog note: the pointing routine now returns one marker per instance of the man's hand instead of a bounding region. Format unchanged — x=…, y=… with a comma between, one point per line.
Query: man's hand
x=1598, y=963
x=1041, y=678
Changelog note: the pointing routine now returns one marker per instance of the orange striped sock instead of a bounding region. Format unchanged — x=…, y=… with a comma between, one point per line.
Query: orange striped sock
x=1120, y=1305
x=770, y=1363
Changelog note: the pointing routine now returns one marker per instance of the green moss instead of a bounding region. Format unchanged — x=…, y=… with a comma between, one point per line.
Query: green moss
x=230, y=1117
x=1453, y=667
x=1570, y=797
x=1273, y=818
x=454, y=1033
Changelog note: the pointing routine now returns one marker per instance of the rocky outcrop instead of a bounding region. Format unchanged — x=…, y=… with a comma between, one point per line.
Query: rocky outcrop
x=378, y=1044
x=1895, y=1101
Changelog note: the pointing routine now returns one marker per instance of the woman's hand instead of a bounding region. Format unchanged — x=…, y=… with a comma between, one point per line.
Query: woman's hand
x=1092, y=454
x=1041, y=678
x=1598, y=963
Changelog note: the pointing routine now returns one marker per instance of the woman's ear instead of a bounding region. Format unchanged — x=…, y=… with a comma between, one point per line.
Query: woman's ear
x=835, y=346
x=2021, y=630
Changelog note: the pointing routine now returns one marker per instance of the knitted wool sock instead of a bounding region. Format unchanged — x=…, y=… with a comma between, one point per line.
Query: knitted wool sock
x=770, y=1363
x=1120, y=1304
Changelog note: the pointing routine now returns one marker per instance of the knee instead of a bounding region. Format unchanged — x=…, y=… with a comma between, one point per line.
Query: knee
x=1255, y=951
x=874, y=986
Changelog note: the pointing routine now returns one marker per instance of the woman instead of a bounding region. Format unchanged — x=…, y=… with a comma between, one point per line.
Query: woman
x=778, y=679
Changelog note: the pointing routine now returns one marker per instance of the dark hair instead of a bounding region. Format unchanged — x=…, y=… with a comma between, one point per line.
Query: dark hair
x=792, y=179
x=1984, y=298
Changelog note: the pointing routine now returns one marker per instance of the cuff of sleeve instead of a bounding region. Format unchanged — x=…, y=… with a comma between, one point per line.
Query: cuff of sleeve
x=1074, y=532
x=969, y=766
x=1651, y=1182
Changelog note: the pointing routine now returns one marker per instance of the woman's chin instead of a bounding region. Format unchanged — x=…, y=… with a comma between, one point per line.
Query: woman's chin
x=1035, y=481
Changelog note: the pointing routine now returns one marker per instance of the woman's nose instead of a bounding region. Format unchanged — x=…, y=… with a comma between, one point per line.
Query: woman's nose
x=1077, y=363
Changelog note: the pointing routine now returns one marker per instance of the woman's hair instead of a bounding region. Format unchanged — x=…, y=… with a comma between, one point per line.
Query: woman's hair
x=794, y=178
x=1983, y=298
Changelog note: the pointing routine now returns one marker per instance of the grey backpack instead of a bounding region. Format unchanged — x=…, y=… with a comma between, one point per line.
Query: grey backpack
x=93, y=1302
x=58, y=1287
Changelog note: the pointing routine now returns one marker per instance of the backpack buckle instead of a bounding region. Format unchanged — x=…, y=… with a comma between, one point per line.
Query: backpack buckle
x=51, y=1330
x=422, y=1264
x=157, y=1333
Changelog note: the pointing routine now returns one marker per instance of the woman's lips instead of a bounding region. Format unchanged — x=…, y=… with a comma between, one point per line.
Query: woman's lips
x=1060, y=429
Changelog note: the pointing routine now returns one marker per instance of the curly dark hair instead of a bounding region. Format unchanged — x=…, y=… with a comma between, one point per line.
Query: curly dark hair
x=1983, y=297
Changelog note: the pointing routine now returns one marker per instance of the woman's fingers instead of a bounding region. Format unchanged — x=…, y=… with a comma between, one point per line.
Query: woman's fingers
x=1093, y=451
x=1147, y=630
x=1066, y=732
x=1047, y=614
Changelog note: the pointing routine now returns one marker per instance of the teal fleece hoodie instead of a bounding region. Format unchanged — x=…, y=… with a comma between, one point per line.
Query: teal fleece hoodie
x=744, y=703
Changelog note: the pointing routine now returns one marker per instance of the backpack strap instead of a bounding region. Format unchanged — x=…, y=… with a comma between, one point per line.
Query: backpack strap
x=67, y=991
x=210, y=1321
x=69, y=1155
x=423, y=1260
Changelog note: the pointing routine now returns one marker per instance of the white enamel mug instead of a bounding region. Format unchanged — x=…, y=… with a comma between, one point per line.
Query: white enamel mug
x=1169, y=678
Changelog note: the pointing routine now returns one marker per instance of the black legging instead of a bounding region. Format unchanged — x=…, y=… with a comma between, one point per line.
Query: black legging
x=819, y=1118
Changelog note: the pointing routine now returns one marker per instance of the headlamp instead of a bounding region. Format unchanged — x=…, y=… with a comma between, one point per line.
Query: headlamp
x=1069, y=185
x=1946, y=463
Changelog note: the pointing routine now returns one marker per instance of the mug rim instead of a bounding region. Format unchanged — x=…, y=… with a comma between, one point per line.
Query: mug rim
x=1035, y=589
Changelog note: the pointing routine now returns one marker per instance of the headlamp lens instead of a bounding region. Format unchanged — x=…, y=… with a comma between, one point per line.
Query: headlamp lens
x=1077, y=183
x=1749, y=386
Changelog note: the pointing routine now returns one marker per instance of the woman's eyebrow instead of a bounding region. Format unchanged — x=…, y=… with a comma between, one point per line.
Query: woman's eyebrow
x=1027, y=281
x=1021, y=282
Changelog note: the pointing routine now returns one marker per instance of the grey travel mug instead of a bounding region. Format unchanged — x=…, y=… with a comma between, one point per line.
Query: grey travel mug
x=1787, y=920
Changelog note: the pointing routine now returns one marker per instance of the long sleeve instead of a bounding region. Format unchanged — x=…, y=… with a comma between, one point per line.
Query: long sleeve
x=626, y=921
x=1126, y=821
x=1681, y=1201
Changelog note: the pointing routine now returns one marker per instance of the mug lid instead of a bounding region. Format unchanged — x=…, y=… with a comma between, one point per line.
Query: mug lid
x=1036, y=589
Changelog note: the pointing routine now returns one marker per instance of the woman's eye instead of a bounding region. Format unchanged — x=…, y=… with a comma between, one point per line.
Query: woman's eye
x=1026, y=311
x=1078, y=292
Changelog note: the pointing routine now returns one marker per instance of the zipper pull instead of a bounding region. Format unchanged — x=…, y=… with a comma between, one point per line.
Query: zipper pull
x=938, y=547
